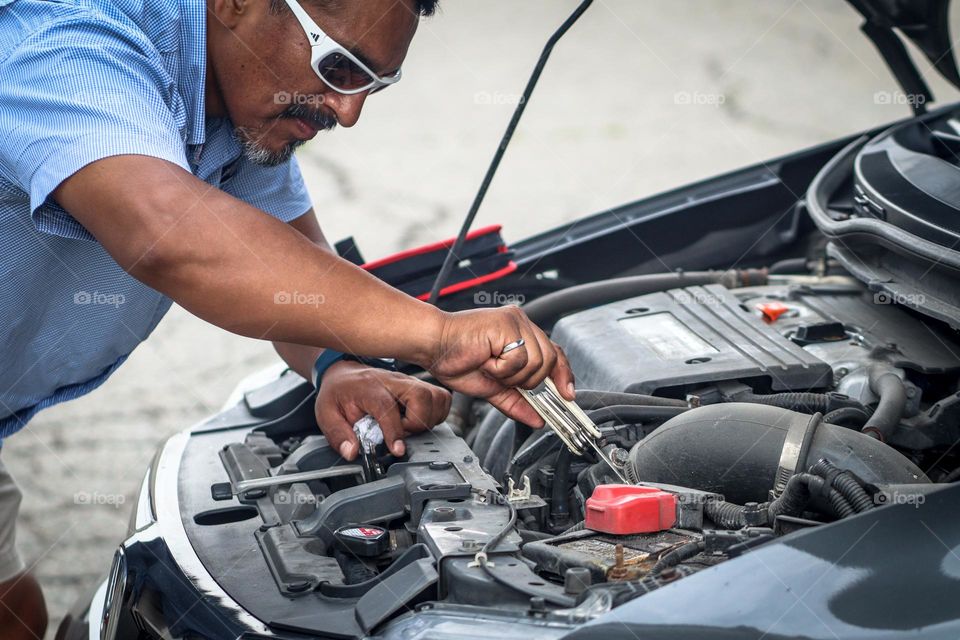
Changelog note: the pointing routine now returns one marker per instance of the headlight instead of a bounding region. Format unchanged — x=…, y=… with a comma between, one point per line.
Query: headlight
x=113, y=598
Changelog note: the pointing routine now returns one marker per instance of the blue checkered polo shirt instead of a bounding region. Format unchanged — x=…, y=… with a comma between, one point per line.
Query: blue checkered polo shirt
x=82, y=80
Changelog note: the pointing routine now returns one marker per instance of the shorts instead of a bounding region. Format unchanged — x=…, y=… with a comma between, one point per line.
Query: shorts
x=11, y=564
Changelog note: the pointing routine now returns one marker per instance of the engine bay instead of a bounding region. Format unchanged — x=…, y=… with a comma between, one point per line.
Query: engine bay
x=737, y=410
x=739, y=415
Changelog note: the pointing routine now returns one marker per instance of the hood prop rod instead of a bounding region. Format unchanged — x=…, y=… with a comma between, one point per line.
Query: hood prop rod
x=498, y=156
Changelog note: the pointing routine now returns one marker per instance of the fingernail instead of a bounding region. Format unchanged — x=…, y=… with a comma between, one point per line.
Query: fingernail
x=570, y=390
x=398, y=448
x=346, y=450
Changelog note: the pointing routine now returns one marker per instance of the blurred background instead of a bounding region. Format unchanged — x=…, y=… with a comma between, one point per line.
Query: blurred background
x=638, y=98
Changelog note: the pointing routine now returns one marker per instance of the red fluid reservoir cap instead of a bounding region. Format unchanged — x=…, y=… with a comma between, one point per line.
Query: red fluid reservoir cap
x=624, y=509
x=772, y=311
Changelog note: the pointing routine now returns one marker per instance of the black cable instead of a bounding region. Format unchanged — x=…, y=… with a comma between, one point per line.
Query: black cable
x=498, y=156
x=678, y=555
x=289, y=414
x=495, y=540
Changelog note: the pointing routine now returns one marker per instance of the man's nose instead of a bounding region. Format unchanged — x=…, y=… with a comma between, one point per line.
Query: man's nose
x=346, y=108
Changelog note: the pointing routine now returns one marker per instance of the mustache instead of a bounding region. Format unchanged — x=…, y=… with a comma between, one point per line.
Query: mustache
x=320, y=119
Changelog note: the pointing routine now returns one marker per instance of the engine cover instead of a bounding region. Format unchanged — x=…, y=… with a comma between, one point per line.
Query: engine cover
x=677, y=339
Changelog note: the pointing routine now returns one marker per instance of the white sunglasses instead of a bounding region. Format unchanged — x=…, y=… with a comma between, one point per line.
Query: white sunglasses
x=338, y=68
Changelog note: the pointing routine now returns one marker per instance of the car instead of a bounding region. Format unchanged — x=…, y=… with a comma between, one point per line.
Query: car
x=775, y=447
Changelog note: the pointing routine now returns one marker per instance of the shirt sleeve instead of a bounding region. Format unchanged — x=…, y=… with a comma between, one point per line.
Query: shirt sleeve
x=76, y=92
x=279, y=190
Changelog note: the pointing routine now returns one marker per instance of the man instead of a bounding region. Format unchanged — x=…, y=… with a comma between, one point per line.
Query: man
x=145, y=157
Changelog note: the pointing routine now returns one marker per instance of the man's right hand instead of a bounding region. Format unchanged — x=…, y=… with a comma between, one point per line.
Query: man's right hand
x=468, y=359
x=235, y=266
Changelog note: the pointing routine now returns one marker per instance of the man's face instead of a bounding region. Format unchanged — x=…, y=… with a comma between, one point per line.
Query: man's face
x=260, y=74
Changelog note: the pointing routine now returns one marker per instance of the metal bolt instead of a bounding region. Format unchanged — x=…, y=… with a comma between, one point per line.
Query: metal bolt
x=619, y=569
x=444, y=514
x=576, y=580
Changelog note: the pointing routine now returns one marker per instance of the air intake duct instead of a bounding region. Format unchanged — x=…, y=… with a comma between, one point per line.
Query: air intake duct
x=742, y=451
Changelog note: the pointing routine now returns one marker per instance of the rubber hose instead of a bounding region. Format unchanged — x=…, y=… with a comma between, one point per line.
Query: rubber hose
x=790, y=265
x=537, y=446
x=486, y=432
x=459, y=416
x=804, y=402
x=893, y=400
x=847, y=416
x=591, y=399
x=678, y=555
x=846, y=484
x=547, y=309
x=725, y=515
x=497, y=458
x=632, y=414
x=797, y=494
x=840, y=505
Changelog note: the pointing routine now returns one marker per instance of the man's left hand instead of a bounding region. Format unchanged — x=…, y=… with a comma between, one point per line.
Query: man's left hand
x=401, y=404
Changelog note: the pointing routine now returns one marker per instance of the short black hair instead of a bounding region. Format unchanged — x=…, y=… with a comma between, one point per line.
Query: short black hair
x=424, y=8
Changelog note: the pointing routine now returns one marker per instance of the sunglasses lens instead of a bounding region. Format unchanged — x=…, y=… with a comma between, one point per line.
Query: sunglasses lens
x=342, y=73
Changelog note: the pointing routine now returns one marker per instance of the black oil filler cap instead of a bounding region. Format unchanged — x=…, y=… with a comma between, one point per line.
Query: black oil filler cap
x=364, y=540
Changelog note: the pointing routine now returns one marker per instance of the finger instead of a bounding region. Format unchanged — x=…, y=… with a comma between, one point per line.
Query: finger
x=441, y=405
x=562, y=374
x=418, y=404
x=527, y=377
x=511, y=404
x=339, y=433
x=387, y=414
x=502, y=367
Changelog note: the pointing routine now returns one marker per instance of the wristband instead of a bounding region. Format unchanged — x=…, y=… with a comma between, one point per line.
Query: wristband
x=325, y=360
x=329, y=357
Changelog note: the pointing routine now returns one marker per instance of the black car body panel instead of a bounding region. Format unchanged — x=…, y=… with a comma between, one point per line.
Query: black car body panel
x=888, y=573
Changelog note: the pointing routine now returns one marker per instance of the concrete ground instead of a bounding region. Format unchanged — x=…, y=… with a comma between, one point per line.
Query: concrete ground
x=639, y=97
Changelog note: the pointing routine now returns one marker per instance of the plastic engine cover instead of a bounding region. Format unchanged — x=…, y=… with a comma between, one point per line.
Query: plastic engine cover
x=681, y=338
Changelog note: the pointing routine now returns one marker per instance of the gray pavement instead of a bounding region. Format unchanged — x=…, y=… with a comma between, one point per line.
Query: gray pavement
x=640, y=97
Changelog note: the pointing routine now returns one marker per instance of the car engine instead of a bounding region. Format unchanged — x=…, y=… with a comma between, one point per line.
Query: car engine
x=742, y=407
x=738, y=414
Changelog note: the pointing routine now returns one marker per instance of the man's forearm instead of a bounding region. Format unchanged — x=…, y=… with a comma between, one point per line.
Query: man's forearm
x=234, y=266
x=298, y=357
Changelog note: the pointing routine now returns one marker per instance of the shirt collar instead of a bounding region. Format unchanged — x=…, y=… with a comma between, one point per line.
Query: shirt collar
x=193, y=75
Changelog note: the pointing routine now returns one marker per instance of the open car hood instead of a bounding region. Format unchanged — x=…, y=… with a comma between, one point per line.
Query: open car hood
x=924, y=23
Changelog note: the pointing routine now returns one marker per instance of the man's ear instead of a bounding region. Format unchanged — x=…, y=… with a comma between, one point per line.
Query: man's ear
x=229, y=13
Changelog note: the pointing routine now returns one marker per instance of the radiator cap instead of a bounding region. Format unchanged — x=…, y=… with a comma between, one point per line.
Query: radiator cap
x=623, y=509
